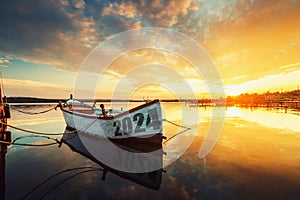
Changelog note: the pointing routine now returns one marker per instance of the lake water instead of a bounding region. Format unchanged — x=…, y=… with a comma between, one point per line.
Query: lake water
x=257, y=156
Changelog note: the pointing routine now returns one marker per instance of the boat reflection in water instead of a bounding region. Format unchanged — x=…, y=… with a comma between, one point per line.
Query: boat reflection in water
x=150, y=179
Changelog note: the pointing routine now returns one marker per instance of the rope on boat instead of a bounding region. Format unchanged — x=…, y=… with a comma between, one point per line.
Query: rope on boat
x=33, y=113
x=185, y=129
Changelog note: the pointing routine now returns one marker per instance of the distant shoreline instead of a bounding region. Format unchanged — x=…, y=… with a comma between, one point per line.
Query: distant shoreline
x=43, y=100
x=242, y=99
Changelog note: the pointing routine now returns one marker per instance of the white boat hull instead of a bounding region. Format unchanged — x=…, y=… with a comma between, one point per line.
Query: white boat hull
x=144, y=121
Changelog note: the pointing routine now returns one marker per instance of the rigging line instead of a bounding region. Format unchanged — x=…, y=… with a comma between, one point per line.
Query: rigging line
x=53, y=176
x=33, y=113
x=60, y=183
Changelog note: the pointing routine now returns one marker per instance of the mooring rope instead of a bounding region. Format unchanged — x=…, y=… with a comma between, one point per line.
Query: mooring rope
x=55, y=175
x=33, y=113
x=29, y=131
x=44, y=133
x=30, y=145
x=175, y=124
x=185, y=129
x=67, y=179
x=38, y=136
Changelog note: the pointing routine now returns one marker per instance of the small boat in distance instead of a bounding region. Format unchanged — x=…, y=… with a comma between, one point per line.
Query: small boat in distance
x=141, y=124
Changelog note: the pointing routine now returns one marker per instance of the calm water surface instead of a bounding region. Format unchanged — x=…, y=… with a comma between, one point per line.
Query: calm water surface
x=257, y=157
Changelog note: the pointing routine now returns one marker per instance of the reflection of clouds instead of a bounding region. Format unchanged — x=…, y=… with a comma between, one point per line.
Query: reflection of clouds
x=268, y=118
x=248, y=159
x=42, y=162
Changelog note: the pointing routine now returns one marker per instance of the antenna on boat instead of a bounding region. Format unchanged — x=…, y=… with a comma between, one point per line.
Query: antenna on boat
x=71, y=96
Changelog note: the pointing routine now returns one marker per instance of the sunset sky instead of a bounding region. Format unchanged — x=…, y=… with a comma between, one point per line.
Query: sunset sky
x=254, y=44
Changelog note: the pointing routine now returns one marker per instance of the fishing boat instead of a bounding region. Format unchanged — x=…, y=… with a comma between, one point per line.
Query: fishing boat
x=139, y=124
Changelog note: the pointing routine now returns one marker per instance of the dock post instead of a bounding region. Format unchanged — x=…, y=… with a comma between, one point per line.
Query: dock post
x=285, y=108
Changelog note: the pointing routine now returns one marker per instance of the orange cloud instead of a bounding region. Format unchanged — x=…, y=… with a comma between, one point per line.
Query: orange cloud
x=14, y=87
x=259, y=43
x=128, y=9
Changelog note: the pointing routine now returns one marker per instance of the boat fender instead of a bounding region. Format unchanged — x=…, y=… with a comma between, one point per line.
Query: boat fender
x=6, y=111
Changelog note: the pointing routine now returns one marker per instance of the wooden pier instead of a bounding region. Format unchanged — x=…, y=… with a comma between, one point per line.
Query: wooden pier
x=282, y=104
x=271, y=104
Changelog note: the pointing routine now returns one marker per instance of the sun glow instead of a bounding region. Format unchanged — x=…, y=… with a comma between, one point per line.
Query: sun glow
x=234, y=90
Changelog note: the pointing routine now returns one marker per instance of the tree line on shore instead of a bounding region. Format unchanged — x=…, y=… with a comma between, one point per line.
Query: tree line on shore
x=245, y=98
x=266, y=97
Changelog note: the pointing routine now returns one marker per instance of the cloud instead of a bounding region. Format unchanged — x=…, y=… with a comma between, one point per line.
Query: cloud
x=128, y=9
x=4, y=61
x=168, y=13
x=46, y=32
x=160, y=13
x=248, y=38
x=14, y=87
x=79, y=4
x=263, y=37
